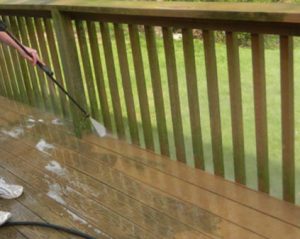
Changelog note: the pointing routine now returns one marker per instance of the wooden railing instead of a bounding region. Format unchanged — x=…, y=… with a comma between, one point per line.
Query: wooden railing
x=97, y=51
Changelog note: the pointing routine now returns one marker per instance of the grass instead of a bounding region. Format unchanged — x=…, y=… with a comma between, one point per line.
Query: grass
x=273, y=106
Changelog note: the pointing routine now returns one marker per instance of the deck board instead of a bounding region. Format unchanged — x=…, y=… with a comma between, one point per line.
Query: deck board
x=122, y=191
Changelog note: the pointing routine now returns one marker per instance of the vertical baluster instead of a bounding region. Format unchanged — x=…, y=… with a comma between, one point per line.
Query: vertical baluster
x=174, y=96
x=5, y=74
x=213, y=100
x=236, y=106
x=89, y=78
x=45, y=56
x=32, y=74
x=13, y=68
x=287, y=117
x=18, y=61
x=157, y=90
x=112, y=79
x=99, y=74
x=56, y=66
x=261, y=129
x=23, y=65
x=141, y=84
x=130, y=106
x=67, y=46
x=3, y=90
x=42, y=81
x=193, y=98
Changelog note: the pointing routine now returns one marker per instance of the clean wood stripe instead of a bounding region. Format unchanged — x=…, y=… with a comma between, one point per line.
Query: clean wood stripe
x=157, y=90
x=193, y=98
x=260, y=106
x=141, y=85
x=213, y=101
x=112, y=79
x=174, y=95
x=95, y=51
x=56, y=65
x=40, y=29
x=87, y=68
x=287, y=117
x=32, y=74
x=127, y=87
x=42, y=81
x=234, y=76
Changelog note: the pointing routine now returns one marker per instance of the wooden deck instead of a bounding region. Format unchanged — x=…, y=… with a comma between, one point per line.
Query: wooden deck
x=110, y=189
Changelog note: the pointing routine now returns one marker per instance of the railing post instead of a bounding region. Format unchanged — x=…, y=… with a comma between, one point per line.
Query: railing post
x=71, y=66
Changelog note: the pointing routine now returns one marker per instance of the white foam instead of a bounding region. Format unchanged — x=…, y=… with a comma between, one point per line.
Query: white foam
x=76, y=218
x=14, y=133
x=29, y=126
x=40, y=120
x=56, y=168
x=43, y=146
x=55, y=192
x=31, y=120
x=57, y=122
x=97, y=231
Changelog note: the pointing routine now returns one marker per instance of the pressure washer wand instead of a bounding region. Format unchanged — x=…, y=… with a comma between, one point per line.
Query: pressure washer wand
x=46, y=69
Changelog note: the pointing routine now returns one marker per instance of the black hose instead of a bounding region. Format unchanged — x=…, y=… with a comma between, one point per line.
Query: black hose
x=51, y=226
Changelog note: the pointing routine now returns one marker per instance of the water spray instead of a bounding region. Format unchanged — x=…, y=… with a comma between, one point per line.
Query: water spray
x=99, y=128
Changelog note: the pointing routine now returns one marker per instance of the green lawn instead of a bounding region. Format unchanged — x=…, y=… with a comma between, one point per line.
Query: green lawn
x=273, y=105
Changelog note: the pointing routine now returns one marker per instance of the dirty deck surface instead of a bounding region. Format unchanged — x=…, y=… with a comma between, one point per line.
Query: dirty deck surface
x=110, y=189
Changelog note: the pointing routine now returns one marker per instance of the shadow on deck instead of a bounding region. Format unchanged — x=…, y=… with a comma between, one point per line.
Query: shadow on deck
x=111, y=189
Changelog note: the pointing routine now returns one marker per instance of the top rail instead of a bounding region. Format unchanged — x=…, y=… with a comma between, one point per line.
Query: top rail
x=249, y=17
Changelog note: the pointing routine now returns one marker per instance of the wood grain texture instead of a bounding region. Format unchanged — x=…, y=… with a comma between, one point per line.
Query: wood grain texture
x=236, y=106
x=193, y=98
x=173, y=198
x=287, y=117
x=260, y=107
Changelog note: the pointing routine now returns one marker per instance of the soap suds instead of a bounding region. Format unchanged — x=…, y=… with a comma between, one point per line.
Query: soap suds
x=55, y=192
x=14, y=133
x=56, y=168
x=43, y=146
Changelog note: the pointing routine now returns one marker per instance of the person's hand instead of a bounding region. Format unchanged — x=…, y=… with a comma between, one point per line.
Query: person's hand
x=34, y=56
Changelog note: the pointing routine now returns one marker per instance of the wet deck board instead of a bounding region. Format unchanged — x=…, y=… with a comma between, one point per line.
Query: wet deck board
x=108, y=186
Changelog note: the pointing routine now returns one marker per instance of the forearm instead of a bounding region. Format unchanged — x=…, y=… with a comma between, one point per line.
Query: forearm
x=5, y=38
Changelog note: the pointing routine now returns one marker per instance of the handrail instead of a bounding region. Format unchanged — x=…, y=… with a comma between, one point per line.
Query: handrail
x=262, y=12
x=243, y=17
